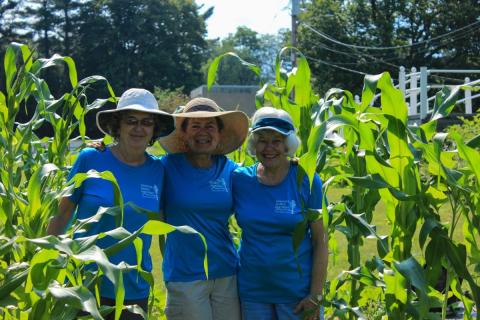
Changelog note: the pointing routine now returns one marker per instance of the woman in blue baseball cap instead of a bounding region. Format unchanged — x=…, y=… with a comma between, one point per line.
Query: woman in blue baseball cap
x=269, y=203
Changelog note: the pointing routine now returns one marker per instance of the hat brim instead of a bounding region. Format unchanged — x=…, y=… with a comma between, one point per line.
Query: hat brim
x=284, y=132
x=104, y=118
x=234, y=132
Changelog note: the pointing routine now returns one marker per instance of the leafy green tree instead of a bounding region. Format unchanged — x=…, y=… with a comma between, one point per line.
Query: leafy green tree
x=259, y=49
x=39, y=21
x=67, y=14
x=142, y=43
x=170, y=100
x=7, y=33
x=346, y=39
x=468, y=129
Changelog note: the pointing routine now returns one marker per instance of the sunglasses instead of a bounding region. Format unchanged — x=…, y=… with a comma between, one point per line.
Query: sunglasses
x=145, y=122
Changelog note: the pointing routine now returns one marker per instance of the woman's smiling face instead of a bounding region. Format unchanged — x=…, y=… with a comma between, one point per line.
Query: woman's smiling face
x=136, y=129
x=202, y=135
x=270, y=147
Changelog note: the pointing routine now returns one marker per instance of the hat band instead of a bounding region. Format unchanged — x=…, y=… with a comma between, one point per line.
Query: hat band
x=280, y=124
x=201, y=107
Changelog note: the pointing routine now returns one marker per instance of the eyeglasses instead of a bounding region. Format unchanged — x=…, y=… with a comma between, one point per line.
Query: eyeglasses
x=145, y=122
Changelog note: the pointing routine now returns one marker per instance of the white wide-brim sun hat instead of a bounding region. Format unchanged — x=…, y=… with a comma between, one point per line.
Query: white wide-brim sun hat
x=141, y=100
x=232, y=136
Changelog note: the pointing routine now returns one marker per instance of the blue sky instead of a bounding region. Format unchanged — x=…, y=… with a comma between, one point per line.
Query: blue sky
x=263, y=16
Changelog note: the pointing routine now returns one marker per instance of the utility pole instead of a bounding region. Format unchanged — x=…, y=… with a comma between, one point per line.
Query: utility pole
x=295, y=12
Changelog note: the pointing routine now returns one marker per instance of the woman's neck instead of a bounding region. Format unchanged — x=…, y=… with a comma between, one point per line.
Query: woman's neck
x=200, y=160
x=128, y=156
x=273, y=175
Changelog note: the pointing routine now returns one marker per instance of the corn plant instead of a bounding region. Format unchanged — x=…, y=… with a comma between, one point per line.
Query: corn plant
x=48, y=277
x=369, y=148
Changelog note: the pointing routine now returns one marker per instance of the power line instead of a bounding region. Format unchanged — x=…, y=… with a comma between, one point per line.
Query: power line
x=355, y=52
x=336, y=66
x=327, y=37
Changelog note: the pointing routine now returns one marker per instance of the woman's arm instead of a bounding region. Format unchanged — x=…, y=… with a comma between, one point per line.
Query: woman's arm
x=65, y=210
x=320, y=257
x=309, y=305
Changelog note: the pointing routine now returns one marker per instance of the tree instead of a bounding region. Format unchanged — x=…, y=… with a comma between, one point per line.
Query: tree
x=39, y=21
x=7, y=33
x=67, y=15
x=142, y=43
x=346, y=39
x=250, y=46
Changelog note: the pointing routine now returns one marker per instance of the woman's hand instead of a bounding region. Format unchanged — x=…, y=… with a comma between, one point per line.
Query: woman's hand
x=309, y=307
x=99, y=145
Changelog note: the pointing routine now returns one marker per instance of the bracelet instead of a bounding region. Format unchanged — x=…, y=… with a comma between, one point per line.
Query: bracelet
x=315, y=298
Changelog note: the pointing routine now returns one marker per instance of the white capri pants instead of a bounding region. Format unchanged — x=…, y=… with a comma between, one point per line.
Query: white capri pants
x=215, y=299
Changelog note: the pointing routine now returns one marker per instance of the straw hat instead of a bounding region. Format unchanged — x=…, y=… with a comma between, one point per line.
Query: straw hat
x=234, y=132
x=136, y=99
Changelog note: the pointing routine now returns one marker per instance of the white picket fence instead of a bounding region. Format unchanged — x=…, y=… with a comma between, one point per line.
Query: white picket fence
x=416, y=89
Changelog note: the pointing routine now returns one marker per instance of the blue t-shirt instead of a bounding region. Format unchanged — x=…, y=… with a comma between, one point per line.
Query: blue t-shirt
x=141, y=185
x=268, y=271
x=202, y=199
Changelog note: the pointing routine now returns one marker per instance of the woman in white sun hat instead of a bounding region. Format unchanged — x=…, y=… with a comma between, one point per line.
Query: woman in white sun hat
x=268, y=206
x=198, y=193
x=135, y=124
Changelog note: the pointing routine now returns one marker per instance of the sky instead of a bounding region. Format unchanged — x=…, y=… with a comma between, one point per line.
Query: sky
x=262, y=16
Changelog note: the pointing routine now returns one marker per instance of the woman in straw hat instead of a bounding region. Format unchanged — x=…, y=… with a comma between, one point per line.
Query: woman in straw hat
x=135, y=124
x=269, y=204
x=197, y=193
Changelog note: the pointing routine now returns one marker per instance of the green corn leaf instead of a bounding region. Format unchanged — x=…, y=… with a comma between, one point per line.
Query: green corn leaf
x=39, y=311
x=155, y=227
x=212, y=69
x=392, y=100
x=72, y=71
x=10, y=69
x=83, y=225
x=7, y=245
x=97, y=255
x=279, y=80
x=299, y=234
x=26, y=54
x=415, y=274
x=472, y=143
x=302, y=82
x=3, y=108
x=470, y=155
x=53, y=242
x=435, y=248
x=375, y=181
x=77, y=297
x=12, y=282
x=456, y=254
x=36, y=277
x=364, y=275
x=135, y=309
x=444, y=102
x=308, y=161
x=124, y=238
x=427, y=227
x=395, y=287
x=34, y=189
x=106, y=175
